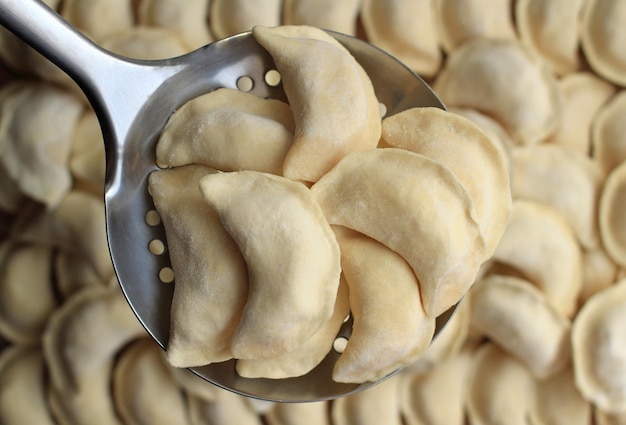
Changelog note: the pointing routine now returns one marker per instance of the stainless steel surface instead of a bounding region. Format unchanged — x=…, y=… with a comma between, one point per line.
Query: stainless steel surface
x=133, y=100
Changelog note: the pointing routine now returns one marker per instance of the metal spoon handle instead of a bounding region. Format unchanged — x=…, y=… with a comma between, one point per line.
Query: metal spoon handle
x=48, y=33
x=117, y=87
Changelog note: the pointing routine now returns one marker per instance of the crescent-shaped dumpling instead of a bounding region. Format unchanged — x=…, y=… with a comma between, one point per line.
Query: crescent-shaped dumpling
x=229, y=17
x=390, y=25
x=314, y=413
x=566, y=180
x=462, y=20
x=599, y=272
x=340, y=16
x=602, y=33
x=24, y=270
x=599, y=350
x=540, y=245
x=467, y=151
x=445, y=384
x=558, y=400
x=416, y=207
x=333, y=101
x=140, y=376
x=448, y=342
x=611, y=215
x=510, y=311
x=189, y=21
x=79, y=346
x=228, y=409
x=147, y=43
x=292, y=256
x=500, y=388
x=390, y=327
x=228, y=130
x=211, y=284
x=551, y=30
x=23, y=386
x=500, y=78
x=377, y=405
x=99, y=18
x=608, y=134
x=36, y=124
x=584, y=94
x=308, y=355
x=77, y=225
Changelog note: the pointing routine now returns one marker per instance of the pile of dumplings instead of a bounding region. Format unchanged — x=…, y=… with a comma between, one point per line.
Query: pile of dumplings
x=268, y=207
x=539, y=335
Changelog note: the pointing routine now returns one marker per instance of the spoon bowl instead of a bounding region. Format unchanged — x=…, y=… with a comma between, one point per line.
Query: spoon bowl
x=133, y=100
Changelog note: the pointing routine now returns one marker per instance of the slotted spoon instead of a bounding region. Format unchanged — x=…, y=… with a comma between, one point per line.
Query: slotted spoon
x=133, y=100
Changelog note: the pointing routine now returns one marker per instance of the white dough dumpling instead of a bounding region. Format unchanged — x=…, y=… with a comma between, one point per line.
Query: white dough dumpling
x=308, y=355
x=228, y=130
x=390, y=327
x=599, y=352
x=463, y=20
x=510, y=311
x=551, y=30
x=390, y=25
x=465, y=149
x=603, y=32
x=229, y=17
x=612, y=218
x=416, y=207
x=340, y=16
x=501, y=78
x=568, y=181
x=211, y=284
x=334, y=105
x=292, y=257
x=540, y=245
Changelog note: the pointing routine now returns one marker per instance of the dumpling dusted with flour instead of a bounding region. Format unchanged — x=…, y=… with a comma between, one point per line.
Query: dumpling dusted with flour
x=332, y=98
x=292, y=257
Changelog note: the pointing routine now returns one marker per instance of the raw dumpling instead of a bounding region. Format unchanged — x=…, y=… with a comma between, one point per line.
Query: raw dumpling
x=99, y=18
x=211, y=284
x=551, y=30
x=79, y=345
x=340, y=16
x=229, y=17
x=334, y=105
x=140, y=377
x=36, y=124
x=502, y=79
x=540, y=245
x=390, y=327
x=23, y=387
x=609, y=133
x=460, y=145
x=189, y=21
x=463, y=20
x=416, y=207
x=24, y=271
x=308, y=355
x=599, y=352
x=603, y=31
x=568, y=181
x=148, y=43
x=292, y=257
x=612, y=217
x=228, y=130
x=499, y=389
x=584, y=94
x=510, y=311
x=391, y=25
